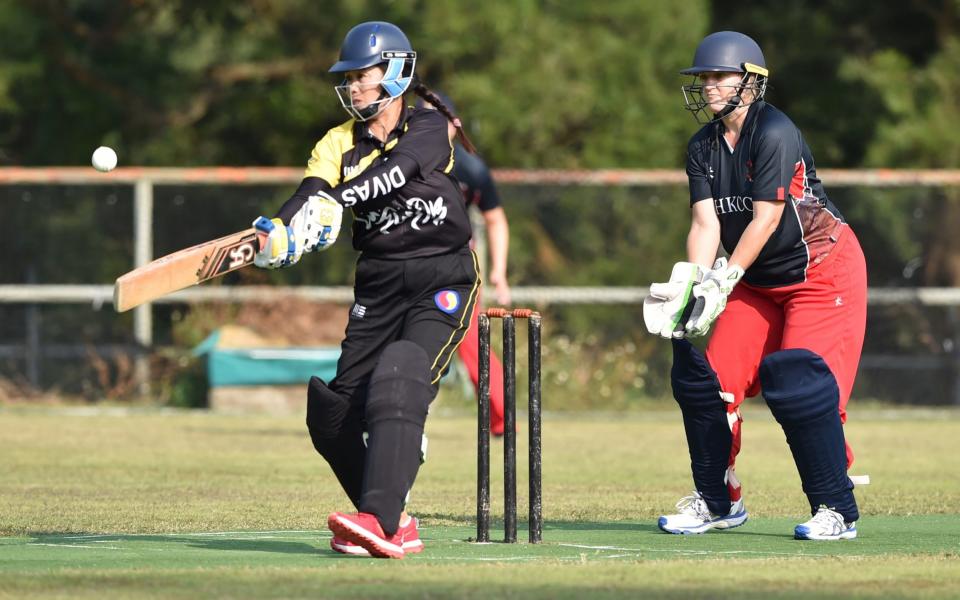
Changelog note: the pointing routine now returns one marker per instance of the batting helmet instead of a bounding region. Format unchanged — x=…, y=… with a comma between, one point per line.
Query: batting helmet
x=376, y=43
x=726, y=52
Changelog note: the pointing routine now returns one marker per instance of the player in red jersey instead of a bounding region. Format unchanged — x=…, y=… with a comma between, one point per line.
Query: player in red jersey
x=479, y=190
x=788, y=309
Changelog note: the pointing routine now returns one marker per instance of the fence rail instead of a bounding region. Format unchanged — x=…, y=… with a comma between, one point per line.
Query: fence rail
x=99, y=295
x=143, y=181
x=600, y=177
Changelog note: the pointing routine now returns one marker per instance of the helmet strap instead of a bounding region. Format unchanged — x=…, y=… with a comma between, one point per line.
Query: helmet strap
x=373, y=109
x=731, y=106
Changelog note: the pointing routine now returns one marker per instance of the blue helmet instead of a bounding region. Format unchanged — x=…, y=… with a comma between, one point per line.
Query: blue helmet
x=376, y=43
x=725, y=52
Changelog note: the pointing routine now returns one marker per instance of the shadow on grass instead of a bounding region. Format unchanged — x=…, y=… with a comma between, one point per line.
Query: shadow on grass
x=647, y=527
x=458, y=520
x=652, y=528
x=587, y=529
x=496, y=528
x=212, y=543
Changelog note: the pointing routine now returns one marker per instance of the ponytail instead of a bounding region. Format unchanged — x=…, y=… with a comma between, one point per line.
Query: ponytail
x=428, y=96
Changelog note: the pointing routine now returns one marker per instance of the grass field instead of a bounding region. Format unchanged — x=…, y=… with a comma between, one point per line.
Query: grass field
x=191, y=504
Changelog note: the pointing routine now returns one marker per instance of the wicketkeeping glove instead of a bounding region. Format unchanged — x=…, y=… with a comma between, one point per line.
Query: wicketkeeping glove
x=666, y=308
x=711, y=296
x=278, y=247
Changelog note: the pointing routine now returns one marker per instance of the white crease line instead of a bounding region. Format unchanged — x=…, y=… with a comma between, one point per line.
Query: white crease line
x=196, y=534
x=485, y=559
x=594, y=547
x=691, y=552
x=313, y=534
x=214, y=533
x=776, y=553
x=263, y=537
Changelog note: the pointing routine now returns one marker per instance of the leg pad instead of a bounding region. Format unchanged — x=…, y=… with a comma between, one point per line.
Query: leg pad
x=803, y=396
x=397, y=403
x=336, y=430
x=697, y=391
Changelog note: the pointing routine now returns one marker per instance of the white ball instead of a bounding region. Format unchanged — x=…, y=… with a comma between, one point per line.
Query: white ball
x=104, y=159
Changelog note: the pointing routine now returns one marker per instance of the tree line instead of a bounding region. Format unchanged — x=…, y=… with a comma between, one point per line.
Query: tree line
x=540, y=83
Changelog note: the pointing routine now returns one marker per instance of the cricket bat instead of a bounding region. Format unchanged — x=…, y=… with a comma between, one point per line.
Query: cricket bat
x=185, y=268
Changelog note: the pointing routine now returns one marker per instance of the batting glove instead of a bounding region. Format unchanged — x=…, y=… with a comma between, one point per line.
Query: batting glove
x=666, y=308
x=278, y=244
x=711, y=296
x=317, y=224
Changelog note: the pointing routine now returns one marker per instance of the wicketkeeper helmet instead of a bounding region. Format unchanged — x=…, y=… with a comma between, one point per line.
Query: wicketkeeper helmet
x=725, y=52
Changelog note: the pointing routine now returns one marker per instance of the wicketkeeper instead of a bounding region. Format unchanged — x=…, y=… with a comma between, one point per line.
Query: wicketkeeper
x=788, y=309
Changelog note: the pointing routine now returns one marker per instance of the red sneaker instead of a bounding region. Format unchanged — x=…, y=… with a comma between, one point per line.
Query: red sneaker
x=338, y=544
x=363, y=529
x=407, y=537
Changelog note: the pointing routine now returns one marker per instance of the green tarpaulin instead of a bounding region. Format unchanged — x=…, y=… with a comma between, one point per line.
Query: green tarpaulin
x=266, y=366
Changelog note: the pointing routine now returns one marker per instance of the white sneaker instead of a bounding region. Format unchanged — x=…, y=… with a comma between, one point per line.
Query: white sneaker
x=695, y=517
x=826, y=525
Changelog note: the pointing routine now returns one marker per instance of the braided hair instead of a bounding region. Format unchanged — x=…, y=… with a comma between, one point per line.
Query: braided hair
x=429, y=96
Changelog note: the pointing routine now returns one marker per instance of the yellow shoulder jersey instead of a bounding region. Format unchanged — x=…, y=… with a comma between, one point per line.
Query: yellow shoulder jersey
x=404, y=198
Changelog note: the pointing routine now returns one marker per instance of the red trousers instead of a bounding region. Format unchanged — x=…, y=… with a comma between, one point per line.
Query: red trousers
x=825, y=314
x=469, y=353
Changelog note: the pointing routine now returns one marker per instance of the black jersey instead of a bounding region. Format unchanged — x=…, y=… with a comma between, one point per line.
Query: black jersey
x=405, y=201
x=770, y=162
x=475, y=180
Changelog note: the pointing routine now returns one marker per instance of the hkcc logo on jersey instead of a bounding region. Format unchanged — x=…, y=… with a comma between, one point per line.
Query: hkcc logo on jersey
x=447, y=300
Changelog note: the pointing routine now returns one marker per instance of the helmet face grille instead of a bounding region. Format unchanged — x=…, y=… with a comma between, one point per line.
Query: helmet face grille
x=696, y=102
x=397, y=77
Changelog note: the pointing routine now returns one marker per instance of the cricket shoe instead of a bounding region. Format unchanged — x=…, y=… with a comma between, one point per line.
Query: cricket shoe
x=826, y=525
x=695, y=517
x=407, y=537
x=364, y=530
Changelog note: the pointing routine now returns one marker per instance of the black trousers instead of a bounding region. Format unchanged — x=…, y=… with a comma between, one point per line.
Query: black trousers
x=406, y=300
x=428, y=301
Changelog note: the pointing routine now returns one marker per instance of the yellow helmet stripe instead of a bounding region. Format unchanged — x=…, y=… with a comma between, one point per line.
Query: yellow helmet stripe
x=752, y=68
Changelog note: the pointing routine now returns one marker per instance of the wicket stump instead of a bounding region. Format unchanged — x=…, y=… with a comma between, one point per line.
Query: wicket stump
x=535, y=517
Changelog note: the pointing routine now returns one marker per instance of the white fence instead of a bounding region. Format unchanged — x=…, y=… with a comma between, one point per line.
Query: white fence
x=144, y=180
x=99, y=295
